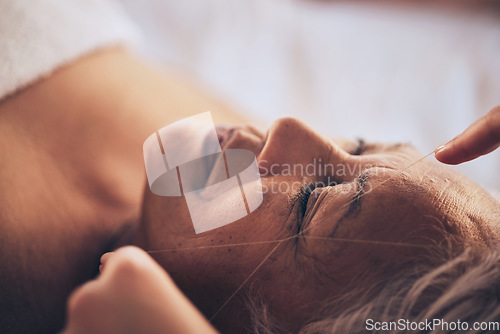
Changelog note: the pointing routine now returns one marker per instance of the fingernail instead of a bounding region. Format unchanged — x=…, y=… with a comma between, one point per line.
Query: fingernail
x=105, y=256
x=440, y=148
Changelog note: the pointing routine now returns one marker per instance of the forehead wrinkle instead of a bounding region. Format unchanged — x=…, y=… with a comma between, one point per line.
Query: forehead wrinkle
x=464, y=218
x=390, y=146
x=406, y=151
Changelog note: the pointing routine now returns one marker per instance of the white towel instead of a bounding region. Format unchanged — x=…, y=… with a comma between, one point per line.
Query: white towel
x=38, y=36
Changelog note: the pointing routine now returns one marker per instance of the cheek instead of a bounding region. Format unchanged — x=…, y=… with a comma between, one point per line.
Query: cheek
x=163, y=216
x=163, y=207
x=296, y=286
x=287, y=290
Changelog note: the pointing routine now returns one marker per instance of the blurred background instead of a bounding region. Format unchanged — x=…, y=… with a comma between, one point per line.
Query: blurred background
x=408, y=71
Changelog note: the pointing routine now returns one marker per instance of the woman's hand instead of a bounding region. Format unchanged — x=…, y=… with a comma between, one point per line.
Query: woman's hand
x=133, y=294
x=481, y=138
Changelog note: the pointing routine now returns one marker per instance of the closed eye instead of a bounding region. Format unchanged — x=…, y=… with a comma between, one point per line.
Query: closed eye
x=302, y=197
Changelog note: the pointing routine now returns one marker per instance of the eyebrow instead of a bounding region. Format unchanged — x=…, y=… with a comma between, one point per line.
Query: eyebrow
x=356, y=200
x=355, y=205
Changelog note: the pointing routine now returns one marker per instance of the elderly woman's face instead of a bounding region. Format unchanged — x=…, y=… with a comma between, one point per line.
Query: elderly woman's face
x=344, y=211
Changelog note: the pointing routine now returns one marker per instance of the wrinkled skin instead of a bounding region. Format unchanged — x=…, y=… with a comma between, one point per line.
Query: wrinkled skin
x=354, y=231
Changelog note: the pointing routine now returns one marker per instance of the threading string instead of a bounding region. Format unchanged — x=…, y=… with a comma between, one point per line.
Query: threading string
x=403, y=244
x=298, y=234
x=280, y=241
x=375, y=187
x=293, y=236
x=215, y=246
x=246, y=280
x=373, y=242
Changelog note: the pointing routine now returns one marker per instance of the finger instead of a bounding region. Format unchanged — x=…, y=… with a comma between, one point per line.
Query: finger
x=129, y=252
x=83, y=304
x=129, y=259
x=482, y=137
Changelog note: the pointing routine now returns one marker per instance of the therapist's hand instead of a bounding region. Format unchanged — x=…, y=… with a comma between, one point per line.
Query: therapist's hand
x=133, y=294
x=481, y=138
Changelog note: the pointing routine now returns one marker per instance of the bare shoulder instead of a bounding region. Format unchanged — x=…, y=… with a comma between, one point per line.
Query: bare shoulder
x=72, y=175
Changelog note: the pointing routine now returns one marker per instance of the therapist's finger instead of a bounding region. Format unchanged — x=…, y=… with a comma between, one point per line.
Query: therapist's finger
x=128, y=256
x=481, y=138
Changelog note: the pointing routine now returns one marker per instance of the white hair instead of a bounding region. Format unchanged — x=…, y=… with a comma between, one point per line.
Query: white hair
x=457, y=284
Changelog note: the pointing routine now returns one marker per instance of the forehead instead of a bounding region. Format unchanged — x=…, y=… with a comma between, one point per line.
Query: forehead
x=405, y=151
x=404, y=162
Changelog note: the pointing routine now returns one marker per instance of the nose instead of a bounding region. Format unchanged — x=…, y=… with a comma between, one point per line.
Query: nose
x=290, y=143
